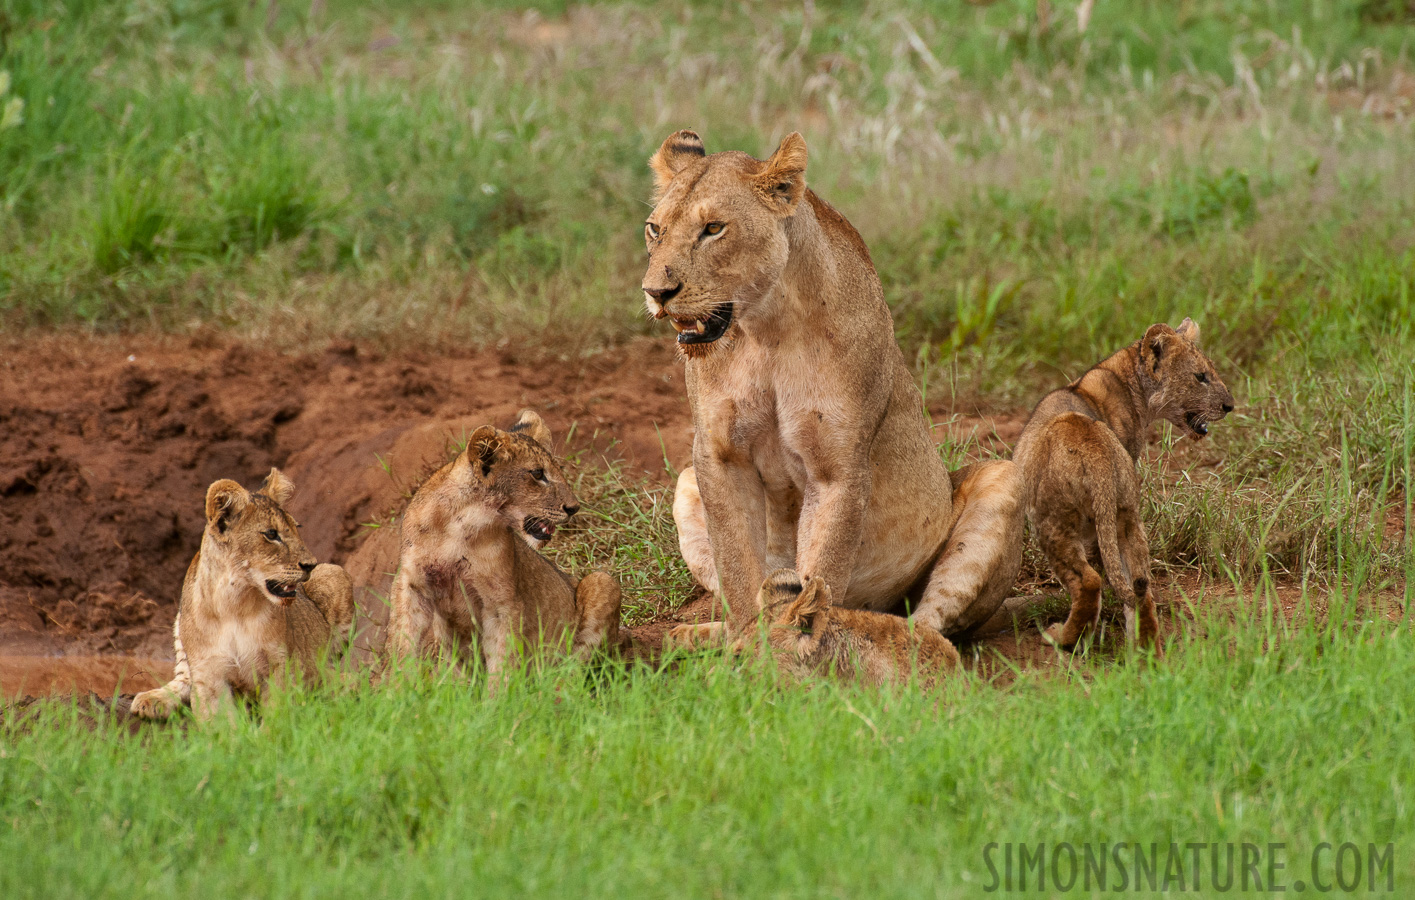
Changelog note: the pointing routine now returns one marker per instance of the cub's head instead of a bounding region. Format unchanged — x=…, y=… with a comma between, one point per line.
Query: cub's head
x=1183, y=386
x=795, y=612
x=522, y=478
x=257, y=536
x=717, y=234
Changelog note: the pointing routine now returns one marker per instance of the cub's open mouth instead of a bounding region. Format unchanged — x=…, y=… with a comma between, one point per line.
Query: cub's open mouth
x=705, y=330
x=1197, y=425
x=285, y=592
x=541, y=531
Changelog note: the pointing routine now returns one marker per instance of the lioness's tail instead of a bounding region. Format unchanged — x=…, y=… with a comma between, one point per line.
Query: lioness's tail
x=1105, y=501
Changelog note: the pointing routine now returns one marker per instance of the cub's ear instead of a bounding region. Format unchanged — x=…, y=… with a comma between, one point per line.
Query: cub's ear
x=782, y=182
x=1155, y=344
x=814, y=600
x=277, y=487
x=225, y=500
x=533, y=426
x=1189, y=330
x=680, y=149
x=483, y=447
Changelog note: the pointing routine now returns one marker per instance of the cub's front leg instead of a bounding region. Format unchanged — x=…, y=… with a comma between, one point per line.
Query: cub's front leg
x=598, y=599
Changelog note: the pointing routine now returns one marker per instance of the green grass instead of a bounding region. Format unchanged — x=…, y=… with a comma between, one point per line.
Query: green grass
x=715, y=780
x=440, y=174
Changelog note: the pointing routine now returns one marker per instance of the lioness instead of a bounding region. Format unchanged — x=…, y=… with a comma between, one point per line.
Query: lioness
x=1078, y=453
x=810, y=449
x=252, y=600
x=469, y=566
x=809, y=636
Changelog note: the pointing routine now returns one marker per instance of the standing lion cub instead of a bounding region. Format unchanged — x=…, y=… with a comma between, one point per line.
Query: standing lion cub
x=469, y=574
x=1078, y=454
x=253, y=600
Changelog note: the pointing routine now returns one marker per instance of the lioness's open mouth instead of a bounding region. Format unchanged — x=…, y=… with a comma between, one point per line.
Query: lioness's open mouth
x=284, y=592
x=541, y=531
x=705, y=330
x=1197, y=424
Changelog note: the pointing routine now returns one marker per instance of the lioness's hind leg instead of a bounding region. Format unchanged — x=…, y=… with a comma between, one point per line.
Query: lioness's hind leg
x=691, y=520
x=982, y=555
x=598, y=599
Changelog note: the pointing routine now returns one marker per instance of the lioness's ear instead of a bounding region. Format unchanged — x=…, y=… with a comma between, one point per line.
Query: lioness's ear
x=814, y=600
x=783, y=181
x=225, y=500
x=483, y=446
x=681, y=148
x=1189, y=330
x=277, y=487
x=533, y=426
x=1152, y=345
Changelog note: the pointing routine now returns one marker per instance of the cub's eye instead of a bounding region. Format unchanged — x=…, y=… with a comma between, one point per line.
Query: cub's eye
x=539, y=475
x=1201, y=377
x=651, y=230
x=272, y=535
x=712, y=228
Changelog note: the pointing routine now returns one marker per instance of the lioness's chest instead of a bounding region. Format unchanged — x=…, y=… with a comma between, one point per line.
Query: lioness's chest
x=773, y=417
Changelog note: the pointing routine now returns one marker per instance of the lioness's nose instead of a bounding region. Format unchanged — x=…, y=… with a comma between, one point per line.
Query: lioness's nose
x=571, y=509
x=1227, y=407
x=307, y=567
x=663, y=295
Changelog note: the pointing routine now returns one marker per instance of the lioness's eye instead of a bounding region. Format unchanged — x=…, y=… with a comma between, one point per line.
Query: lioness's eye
x=271, y=535
x=651, y=230
x=1201, y=377
x=712, y=228
x=539, y=475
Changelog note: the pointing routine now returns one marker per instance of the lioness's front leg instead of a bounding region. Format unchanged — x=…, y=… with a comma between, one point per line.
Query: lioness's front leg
x=735, y=503
x=980, y=559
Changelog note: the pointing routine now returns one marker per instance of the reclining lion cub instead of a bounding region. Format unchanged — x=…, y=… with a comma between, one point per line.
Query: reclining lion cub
x=808, y=636
x=811, y=451
x=469, y=566
x=1078, y=453
x=253, y=600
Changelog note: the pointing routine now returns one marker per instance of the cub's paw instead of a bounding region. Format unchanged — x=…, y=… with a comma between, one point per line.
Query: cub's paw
x=696, y=637
x=1056, y=636
x=155, y=704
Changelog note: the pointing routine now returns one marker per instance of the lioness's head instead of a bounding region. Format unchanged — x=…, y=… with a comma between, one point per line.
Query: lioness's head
x=1184, y=388
x=254, y=532
x=717, y=234
x=794, y=609
x=522, y=477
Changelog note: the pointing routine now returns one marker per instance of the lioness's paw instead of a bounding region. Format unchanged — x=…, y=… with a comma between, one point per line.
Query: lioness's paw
x=155, y=704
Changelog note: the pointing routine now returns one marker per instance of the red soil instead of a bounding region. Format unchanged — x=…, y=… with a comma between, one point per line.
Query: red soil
x=107, y=446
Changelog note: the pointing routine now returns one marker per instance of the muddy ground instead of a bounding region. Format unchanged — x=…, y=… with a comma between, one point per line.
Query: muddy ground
x=107, y=446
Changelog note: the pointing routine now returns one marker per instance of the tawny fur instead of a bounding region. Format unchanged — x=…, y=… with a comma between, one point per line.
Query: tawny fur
x=469, y=574
x=811, y=450
x=809, y=636
x=1078, y=453
x=253, y=601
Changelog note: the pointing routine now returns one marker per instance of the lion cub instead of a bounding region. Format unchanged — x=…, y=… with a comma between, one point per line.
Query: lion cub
x=253, y=600
x=469, y=565
x=809, y=636
x=1078, y=454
